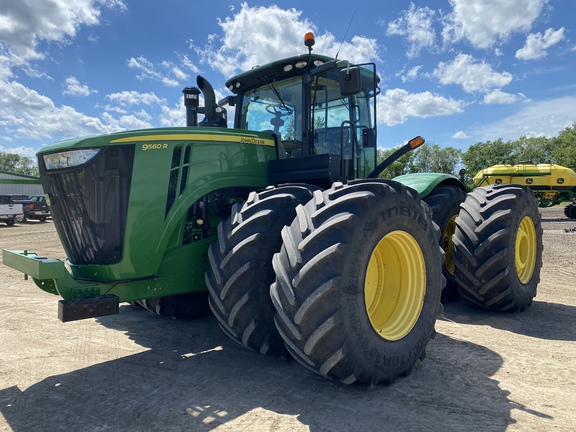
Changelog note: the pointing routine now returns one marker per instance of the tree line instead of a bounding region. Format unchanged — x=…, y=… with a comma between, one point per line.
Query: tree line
x=560, y=150
x=17, y=164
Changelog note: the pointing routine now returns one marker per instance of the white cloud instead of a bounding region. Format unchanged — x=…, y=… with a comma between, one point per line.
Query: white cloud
x=472, y=75
x=499, y=97
x=537, y=44
x=460, y=135
x=173, y=117
x=24, y=23
x=186, y=62
x=544, y=118
x=416, y=25
x=74, y=88
x=411, y=74
x=397, y=105
x=179, y=73
x=149, y=70
x=127, y=98
x=484, y=22
x=127, y=122
x=26, y=113
x=258, y=35
x=20, y=150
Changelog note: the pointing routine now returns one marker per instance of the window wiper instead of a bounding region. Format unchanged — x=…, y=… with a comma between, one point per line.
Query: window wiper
x=278, y=95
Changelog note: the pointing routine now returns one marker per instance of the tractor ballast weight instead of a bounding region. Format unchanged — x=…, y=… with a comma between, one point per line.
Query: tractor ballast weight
x=281, y=219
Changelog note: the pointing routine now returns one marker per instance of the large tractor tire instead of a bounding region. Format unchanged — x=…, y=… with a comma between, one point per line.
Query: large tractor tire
x=570, y=211
x=179, y=306
x=445, y=203
x=498, y=247
x=358, y=282
x=241, y=270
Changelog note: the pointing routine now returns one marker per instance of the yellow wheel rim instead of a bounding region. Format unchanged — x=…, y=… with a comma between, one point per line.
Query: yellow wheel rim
x=395, y=285
x=525, y=255
x=448, y=244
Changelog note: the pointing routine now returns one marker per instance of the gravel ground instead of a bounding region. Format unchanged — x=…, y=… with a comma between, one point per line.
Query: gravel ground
x=136, y=371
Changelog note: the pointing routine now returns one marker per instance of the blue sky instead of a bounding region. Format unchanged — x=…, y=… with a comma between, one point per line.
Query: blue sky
x=454, y=71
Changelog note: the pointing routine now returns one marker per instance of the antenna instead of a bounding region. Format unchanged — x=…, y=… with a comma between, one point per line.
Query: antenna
x=345, y=34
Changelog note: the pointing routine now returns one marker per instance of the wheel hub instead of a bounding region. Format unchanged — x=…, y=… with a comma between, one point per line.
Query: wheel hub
x=525, y=251
x=395, y=285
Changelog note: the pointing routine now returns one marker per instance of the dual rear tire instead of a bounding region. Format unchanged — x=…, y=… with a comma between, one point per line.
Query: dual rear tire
x=498, y=247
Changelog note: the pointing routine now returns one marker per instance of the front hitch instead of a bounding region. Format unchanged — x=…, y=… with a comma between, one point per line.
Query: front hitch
x=81, y=299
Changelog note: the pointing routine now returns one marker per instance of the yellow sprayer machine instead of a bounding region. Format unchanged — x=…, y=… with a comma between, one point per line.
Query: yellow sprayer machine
x=552, y=184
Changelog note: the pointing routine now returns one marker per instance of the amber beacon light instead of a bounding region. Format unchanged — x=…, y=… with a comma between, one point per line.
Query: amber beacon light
x=309, y=40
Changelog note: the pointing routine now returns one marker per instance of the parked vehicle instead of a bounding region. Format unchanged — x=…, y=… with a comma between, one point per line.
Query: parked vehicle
x=9, y=211
x=33, y=208
x=41, y=210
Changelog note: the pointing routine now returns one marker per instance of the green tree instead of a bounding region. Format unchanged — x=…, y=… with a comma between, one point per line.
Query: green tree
x=428, y=158
x=17, y=164
x=396, y=168
x=433, y=158
x=563, y=147
x=289, y=129
x=535, y=150
x=482, y=155
x=560, y=150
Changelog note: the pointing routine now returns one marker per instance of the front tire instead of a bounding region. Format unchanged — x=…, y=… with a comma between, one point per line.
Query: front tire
x=498, y=247
x=184, y=306
x=358, y=282
x=241, y=271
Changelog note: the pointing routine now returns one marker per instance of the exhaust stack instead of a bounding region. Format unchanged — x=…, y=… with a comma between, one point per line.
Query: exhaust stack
x=212, y=118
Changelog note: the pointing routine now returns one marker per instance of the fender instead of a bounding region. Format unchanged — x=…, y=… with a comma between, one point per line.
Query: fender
x=424, y=183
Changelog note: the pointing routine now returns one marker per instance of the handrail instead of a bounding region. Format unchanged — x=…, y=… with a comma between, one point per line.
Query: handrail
x=355, y=163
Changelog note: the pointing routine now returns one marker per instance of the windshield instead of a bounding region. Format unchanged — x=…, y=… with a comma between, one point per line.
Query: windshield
x=274, y=107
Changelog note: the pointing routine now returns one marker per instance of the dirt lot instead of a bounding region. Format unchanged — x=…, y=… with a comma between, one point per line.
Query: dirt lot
x=135, y=371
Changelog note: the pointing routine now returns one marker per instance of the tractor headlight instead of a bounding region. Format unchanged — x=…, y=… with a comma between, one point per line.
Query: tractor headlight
x=68, y=159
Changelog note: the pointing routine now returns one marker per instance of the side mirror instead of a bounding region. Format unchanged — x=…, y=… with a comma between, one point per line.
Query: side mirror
x=228, y=100
x=350, y=81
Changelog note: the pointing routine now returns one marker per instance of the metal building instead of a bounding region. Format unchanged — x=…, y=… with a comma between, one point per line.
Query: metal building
x=13, y=183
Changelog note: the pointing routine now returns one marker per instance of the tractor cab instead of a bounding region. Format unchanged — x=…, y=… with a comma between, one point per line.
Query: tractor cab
x=320, y=112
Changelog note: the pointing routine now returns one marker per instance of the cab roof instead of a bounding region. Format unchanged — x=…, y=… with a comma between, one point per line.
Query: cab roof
x=279, y=69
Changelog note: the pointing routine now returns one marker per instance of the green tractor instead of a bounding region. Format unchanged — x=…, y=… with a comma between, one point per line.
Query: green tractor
x=281, y=225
